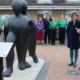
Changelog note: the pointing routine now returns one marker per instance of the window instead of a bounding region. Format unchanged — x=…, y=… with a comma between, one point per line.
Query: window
x=44, y=1
x=72, y=0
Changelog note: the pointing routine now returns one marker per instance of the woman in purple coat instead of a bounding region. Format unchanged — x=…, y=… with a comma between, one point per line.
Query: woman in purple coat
x=40, y=30
x=73, y=38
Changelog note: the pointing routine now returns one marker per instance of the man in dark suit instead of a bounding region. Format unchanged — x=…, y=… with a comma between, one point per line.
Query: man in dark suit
x=47, y=30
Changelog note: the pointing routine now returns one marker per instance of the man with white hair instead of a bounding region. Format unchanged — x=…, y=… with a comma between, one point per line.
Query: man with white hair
x=53, y=26
x=62, y=23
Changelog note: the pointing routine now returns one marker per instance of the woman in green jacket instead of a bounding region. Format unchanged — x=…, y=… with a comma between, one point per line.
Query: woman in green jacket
x=62, y=23
x=52, y=26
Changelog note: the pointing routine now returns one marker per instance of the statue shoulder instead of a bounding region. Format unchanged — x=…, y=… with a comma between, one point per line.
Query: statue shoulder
x=27, y=20
x=29, y=15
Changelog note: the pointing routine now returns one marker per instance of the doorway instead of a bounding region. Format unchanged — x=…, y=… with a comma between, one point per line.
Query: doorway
x=41, y=16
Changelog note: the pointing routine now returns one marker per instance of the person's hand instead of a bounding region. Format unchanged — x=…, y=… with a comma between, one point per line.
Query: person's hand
x=78, y=31
x=39, y=28
x=57, y=28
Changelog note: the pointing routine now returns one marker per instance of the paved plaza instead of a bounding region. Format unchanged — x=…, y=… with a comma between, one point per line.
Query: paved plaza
x=59, y=59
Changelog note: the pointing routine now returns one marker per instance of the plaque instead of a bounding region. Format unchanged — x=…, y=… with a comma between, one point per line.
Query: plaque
x=5, y=48
x=71, y=72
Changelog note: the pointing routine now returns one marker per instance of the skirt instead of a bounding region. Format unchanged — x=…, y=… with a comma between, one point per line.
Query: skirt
x=40, y=36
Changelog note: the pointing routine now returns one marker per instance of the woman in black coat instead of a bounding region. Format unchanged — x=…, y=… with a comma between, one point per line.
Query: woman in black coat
x=73, y=38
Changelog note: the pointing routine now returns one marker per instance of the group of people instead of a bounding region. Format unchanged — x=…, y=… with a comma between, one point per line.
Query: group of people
x=47, y=28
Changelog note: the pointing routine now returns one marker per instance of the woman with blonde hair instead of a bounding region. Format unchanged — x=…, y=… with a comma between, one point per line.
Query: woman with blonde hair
x=62, y=23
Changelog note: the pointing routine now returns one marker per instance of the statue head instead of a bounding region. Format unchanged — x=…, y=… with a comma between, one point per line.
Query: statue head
x=24, y=7
x=17, y=6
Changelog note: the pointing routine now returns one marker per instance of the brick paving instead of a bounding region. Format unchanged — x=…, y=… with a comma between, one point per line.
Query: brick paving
x=59, y=58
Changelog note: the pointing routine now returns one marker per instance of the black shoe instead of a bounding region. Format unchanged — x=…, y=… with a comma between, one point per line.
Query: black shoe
x=53, y=44
x=48, y=42
x=40, y=43
x=60, y=43
x=70, y=64
x=45, y=43
x=63, y=43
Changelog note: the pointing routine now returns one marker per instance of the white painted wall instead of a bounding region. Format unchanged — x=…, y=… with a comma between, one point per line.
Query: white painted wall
x=69, y=12
x=2, y=16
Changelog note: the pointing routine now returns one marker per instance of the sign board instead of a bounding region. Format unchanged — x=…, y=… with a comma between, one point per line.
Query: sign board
x=5, y=48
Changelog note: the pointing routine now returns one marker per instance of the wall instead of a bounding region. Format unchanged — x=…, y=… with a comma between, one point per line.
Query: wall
x=57, y=14
x=69, y=12
x=33, y=14
x=5, y=12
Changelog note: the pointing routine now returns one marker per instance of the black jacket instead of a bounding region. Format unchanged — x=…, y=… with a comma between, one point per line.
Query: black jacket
x=72, y=35
x=46, y=24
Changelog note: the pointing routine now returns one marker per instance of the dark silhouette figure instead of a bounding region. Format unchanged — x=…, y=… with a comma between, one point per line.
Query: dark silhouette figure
x=32, y=42
x=1, y=68
x=21, y=28
x=47, y=30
